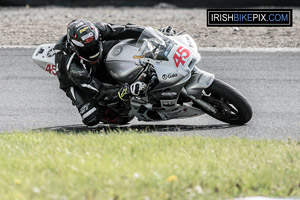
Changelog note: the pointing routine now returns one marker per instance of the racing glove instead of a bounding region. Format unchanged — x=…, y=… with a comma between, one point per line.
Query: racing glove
x=136, y=89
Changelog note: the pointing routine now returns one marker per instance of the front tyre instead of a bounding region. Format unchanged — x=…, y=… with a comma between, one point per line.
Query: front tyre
x=230, y=105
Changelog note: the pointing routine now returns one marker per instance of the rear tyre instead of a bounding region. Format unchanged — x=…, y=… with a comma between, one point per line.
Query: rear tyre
x=232, y=107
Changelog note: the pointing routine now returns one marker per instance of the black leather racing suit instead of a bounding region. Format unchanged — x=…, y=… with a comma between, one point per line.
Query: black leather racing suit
x=89, y=85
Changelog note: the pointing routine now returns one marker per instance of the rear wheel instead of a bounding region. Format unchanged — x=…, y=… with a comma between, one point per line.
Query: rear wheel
x=230, y=105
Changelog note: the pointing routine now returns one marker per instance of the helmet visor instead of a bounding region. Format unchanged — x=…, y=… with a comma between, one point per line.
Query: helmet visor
x=91, y=52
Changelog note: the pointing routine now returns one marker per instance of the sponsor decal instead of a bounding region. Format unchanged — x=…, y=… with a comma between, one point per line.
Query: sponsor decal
x=51, y=69
x=89, y=40
x=40, y=51
x=189, y=42
x=169, y=94
x=122, y=94
x=50, y=53
x=180, y=56
x=249, y=17
x=168, y=102
x=84, y=108
x=79, y=24
x=170, y=75
x=83, y=29
x=86, y=36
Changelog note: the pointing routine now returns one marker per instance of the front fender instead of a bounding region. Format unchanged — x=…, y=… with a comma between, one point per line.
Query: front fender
x=199, y=80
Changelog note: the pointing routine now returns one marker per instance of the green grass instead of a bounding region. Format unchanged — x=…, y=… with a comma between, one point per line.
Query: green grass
x=133, y=166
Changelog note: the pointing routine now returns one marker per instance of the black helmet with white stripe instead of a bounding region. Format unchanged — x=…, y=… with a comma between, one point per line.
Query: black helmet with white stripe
x=83, y=38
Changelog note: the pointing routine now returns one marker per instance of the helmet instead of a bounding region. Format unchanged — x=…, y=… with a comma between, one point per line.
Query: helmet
x=83, y=38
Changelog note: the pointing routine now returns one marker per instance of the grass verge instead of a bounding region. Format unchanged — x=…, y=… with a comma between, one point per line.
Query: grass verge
x=130, y=165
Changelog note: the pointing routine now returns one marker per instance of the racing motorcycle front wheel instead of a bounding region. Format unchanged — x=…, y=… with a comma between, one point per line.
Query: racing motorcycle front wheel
x=227, y=104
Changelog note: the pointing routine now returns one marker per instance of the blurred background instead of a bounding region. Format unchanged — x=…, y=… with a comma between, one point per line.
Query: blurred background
x=178, y=3
x=35, y=22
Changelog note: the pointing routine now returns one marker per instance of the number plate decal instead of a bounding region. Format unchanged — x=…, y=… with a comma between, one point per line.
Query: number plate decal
x=180, y=56
x=51, y=69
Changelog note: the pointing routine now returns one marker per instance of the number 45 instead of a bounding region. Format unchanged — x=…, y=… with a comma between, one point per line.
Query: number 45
x=180, y=56
x=51, y=69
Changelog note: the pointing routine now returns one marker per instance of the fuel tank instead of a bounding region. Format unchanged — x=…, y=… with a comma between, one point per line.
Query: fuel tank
x=120, y=62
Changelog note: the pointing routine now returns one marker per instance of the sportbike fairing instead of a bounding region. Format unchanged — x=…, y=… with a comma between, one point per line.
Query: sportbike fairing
x=173, y=61
x=172, y=58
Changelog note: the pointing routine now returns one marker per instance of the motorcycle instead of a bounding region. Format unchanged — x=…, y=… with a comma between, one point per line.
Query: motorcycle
x=176, y=88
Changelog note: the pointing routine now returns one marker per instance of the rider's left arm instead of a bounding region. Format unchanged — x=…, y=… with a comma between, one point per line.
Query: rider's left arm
x=118, y=32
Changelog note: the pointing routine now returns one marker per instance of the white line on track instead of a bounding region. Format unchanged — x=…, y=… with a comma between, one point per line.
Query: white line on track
x=210, y=49
x=18, y=46
x=217, y=49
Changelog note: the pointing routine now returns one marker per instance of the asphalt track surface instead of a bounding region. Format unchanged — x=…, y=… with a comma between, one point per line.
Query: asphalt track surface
x=30, y=98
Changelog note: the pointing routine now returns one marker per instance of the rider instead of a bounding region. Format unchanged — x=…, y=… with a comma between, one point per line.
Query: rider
x=79, y=55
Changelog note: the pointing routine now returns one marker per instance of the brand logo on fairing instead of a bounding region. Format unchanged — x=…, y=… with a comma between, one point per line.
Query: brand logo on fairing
x=170, y=75
x=168, y=102
x=169, y=94
x=50, y=53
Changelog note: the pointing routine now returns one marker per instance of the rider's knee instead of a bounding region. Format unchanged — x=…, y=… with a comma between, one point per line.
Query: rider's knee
x=92, y=119
x=90, y=113
x=87, y=107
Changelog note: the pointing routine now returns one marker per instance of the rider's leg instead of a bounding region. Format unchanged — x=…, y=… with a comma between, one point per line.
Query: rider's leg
x=87, y=107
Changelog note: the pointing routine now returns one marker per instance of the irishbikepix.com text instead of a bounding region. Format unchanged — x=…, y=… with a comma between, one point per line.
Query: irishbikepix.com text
x=249, y=17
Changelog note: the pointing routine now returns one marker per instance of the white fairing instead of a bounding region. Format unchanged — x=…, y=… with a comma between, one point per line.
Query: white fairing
x=186, y=40
x=45, y=58
x=174, y=59
x=178, y=58
x=200, y=79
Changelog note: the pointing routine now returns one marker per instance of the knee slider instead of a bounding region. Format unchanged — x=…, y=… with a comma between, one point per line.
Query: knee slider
x=91, y=116
x=91, y=120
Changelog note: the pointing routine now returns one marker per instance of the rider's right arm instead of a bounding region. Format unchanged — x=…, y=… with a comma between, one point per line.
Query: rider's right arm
x=82, y=78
